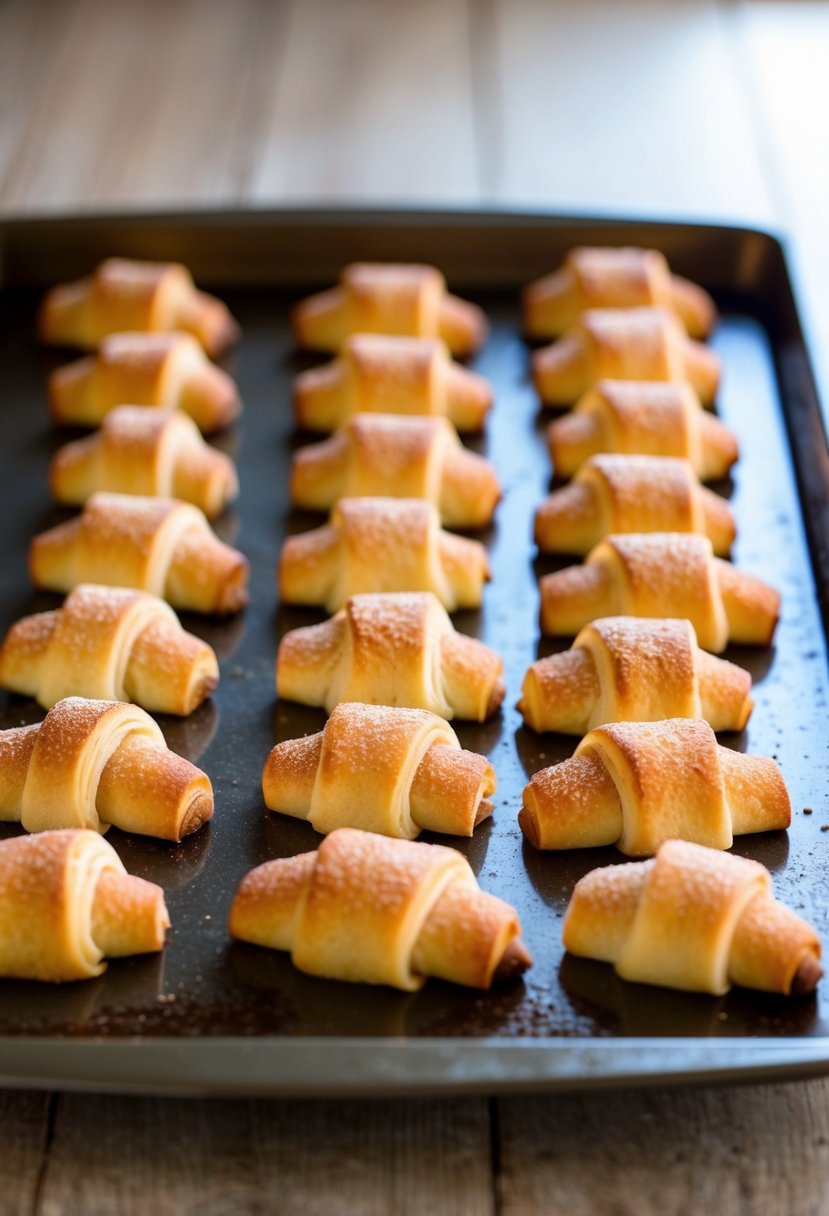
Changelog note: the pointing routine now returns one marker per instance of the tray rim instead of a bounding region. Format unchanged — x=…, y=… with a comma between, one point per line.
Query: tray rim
x=262, y=1067
x=354, y=1066
x=313, y=211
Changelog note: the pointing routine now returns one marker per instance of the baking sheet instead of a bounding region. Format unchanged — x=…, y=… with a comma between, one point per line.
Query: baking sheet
x=188, y=1020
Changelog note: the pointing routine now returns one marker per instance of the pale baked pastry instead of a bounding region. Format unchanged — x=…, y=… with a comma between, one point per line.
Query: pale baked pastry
x=695, y=919
x=640, y=417
x=631, y=494
x=626, y=277
x=382, y=544
x=389, y=298
x=164, y=371
x=388, y=770
x=392, y=649
x=383, y=455
x=382, y=374
x=627, y=669
x=66, y=903
x=623, y=344
x=90, y=764
x=159, y=453
x=373, y=910
x=152, y=544
x=662, y=574
x=111, y=643
x=142, y=297
x=637, y=784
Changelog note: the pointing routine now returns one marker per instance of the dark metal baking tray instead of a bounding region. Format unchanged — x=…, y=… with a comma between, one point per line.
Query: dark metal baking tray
x=211, y=1016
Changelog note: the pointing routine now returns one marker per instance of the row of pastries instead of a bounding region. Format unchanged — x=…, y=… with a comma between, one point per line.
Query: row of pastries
x=651, y=606
x=115, y=649
x=376, y=905
x=654, y=539
x=388, y=664
x=94, y=761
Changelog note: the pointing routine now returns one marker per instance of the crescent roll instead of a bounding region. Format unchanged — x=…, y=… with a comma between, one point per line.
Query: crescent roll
x=66, y=903
x=153, y=544
x=623, y=344
x=379, y=374
x=159, y=453
x=389, y=298
x=393, y=649
x=635, y=417
x=142, y=297
x=662, y=574
x=113, y=644
x=695, y=919
x=623, y=669
x=382, y=544
x=382, y=455
x=613, y=278
x=372, y=910
x=90, y=764
x=637, y=784
x=393, y=771
x=631, y=494
x=164, y=371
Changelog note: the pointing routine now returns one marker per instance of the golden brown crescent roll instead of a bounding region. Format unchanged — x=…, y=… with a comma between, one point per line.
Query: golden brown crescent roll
x=113, y=644
x=90, y=764
x=695, y=919
x=392, y=649
x=625, y=669
x=635, y=417
x=637, y=784
x=152, y=544
x=159, y=370
x=388, y=770
x=623, y=344
x=66, y=903
x=631, y=494
x=382, y=544
x=379, y=374
x=383, y=455
x=373, y=910
x=142, y=297
x=613, y=278
x=138, y=451
x=662, y=574
x=389, y=298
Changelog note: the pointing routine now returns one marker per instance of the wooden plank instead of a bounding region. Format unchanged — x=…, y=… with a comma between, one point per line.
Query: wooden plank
x=373, y=101
x=135, y=105
x=21, y=37
x=134, y=1156
x=632, y=107
x=24, y=1129
x=656, y=1153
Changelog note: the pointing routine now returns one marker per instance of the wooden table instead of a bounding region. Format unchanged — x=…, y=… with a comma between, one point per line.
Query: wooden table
x=691, y=109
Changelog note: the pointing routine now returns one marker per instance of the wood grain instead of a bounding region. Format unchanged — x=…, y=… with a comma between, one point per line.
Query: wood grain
x=173, y=1158
x=665, y=1153
x=374, y=102
x=168, y=113
x=25, y=1131
x=624, y=107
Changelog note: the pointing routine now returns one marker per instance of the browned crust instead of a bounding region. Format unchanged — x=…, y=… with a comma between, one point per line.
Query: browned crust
x=805, y=979
x=528, y=823
x=515, y=960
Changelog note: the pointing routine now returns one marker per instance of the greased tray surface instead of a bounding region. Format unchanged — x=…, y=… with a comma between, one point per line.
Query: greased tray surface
x=220, y=1001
